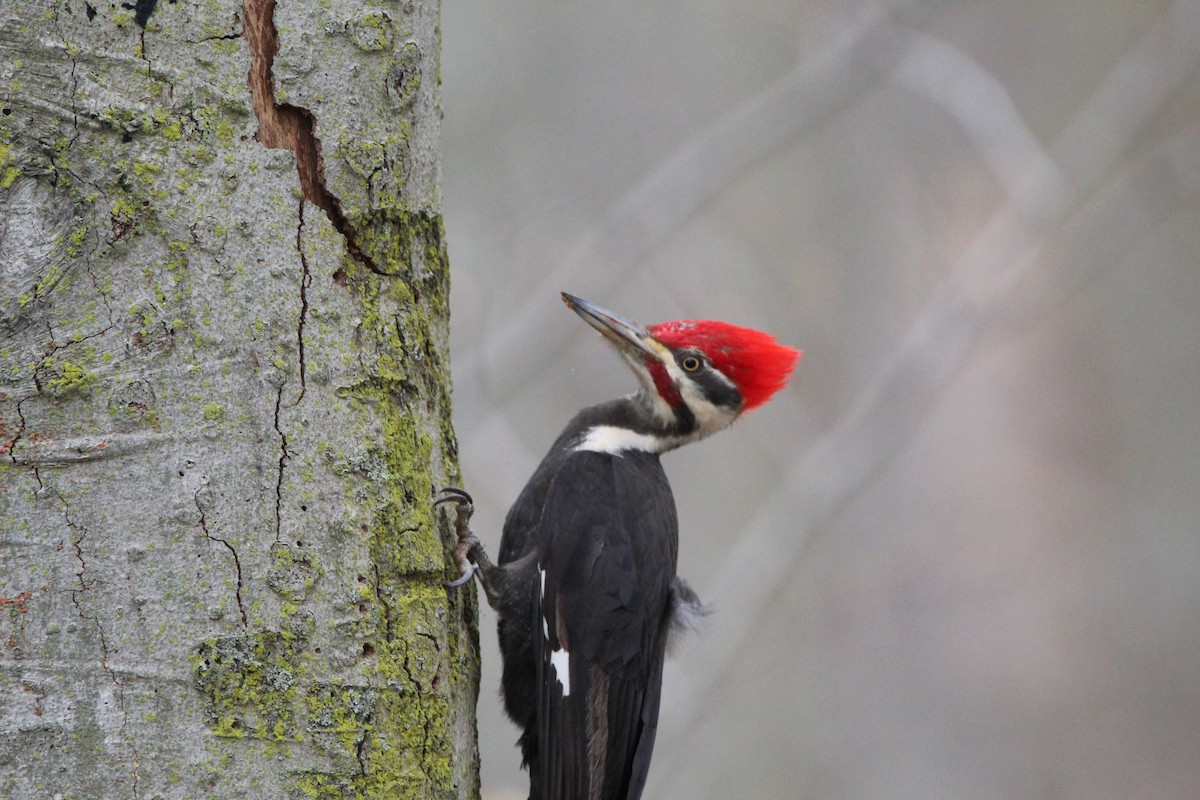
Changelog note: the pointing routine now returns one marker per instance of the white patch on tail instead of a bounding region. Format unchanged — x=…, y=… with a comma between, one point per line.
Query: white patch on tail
x=545, y=625
x=561, y=661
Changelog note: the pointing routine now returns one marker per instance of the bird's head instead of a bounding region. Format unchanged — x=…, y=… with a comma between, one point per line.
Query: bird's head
x=697, y=376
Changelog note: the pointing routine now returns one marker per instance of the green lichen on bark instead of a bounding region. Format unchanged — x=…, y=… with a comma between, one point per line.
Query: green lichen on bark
x=251, y=684
x=413, y=662
x=397, y=729
x=386, y=730
x=410, y=244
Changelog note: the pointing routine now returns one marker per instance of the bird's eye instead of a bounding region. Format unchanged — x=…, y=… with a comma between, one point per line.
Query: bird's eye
x=690, y=363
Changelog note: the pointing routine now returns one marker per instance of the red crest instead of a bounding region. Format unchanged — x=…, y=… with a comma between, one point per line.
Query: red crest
x=756, y=363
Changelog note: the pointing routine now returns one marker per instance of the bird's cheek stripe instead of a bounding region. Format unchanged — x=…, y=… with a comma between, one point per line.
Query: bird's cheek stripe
x=662, y=382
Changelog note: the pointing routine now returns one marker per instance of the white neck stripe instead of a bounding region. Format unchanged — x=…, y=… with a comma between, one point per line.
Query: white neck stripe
x=615, y=440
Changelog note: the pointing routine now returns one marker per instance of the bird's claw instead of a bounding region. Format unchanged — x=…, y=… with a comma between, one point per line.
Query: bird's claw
x=466, y=507
x=468, y=573
x=452, y=494
x=467, y=541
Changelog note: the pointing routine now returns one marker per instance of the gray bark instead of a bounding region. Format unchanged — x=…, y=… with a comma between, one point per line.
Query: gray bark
x=224, y=405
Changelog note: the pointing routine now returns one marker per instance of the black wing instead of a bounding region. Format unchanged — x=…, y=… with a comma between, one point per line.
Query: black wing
x=607, y=546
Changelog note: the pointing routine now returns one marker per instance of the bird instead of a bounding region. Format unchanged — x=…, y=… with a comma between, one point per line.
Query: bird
x=585, y=588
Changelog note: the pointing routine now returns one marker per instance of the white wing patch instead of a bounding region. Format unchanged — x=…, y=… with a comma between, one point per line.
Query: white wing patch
x=560, y=659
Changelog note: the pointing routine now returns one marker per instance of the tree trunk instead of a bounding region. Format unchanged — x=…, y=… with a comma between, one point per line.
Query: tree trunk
x=224, y=405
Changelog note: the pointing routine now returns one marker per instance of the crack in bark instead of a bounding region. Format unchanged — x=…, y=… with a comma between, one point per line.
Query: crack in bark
x=142, y=50
x=387, y=609
x=41, y=362
x=103, y=296
x=51, y=348
x=10, y=446
x=283, y=459
x=85, y=584
x=74, y=340
x=237, y=562
x=142, y=9
x=305, y=281
x=74, y=81
x=283, y=126
x=419, y=693
x=225, y=37
x=358, y=753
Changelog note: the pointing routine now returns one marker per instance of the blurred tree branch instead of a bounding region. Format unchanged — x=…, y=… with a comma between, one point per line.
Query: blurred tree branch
x=1059, y=201
x=816, y=91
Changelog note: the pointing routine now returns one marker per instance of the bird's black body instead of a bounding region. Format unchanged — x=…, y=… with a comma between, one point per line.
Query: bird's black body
x=585, y=588
x=601, y=528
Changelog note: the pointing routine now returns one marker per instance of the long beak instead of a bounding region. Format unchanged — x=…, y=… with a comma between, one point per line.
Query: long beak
x=630, y=338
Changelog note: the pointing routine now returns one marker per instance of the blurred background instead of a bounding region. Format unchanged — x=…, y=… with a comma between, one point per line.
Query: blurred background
x=959, y=557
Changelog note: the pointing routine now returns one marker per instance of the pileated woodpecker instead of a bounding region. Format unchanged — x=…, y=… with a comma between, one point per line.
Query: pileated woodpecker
x=585, y=589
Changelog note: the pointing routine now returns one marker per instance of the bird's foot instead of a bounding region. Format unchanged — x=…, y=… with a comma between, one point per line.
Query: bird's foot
x=468, y=543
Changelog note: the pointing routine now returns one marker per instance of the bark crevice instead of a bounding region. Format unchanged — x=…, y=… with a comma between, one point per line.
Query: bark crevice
x=283, y=459
x=86, y=582
x=283, y=126
x=237, y=562
x=387, y=608
x=305, y=281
